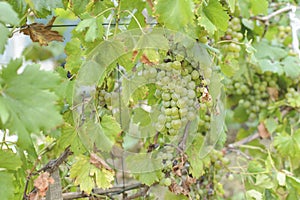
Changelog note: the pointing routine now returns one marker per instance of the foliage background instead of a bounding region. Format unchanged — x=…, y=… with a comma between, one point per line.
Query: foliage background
x=248, y=60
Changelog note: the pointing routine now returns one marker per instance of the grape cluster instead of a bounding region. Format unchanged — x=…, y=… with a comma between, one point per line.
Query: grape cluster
x=179, y=179
x=284, y=32
x=253, y=96
x=177, y=92
x=293, y=97
x=231, y=49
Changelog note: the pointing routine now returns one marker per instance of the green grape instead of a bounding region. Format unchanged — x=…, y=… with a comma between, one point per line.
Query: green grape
x=195, y=75
x=181, y=103
x=162, y=118
x=166, y=104
x=168, y=111
x=176, y=124
x=191, y=94
x=166, y=96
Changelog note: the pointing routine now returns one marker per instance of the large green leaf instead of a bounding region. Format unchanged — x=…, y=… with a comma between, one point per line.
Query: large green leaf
x=213, y=17
x=8, y=15
x=291, y=66
x=288, y=145
x=266, y=50
x=29, y=99
x=175, y=14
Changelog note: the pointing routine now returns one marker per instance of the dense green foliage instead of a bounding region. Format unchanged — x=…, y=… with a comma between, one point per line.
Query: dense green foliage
x=194, y=99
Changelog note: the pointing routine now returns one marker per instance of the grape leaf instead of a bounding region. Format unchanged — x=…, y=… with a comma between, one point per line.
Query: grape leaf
x=175, y=14
x=8, y=15
x=79, y=6
x=259, y=7
x=6, y=185
x=74, y=52
x=142, y=163
x=9, y=160
x=264, y=181
x=291, y=66
x=149, y=178
x=130, y=86
x=110, y=126
x=288, y=145
x=195, y=161
x=267, y=65
x=104, y=177
x=4, y=36
x=152, y=40
x=255, y=167
x=95, y=28
x=68, y=137
x=141, y=117
x=36, y=52
x=213, y=17
x=19, y=6
x=87, y=175
x=28, y=99
x=263, y=50
x=80, y=171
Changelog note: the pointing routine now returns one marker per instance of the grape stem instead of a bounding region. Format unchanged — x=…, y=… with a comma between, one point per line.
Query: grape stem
x=182, y=143
x=273, y=14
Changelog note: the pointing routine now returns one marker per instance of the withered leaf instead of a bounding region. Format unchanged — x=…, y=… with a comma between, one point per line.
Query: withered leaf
x=42, y=182
x=42, y=33
x=273, y=92
x=206, y=97
x=99, y=162
x=262, y=131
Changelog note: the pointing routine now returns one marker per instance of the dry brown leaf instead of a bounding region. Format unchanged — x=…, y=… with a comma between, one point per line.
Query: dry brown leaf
x=273, y=92
x=41, y=183
x=99, y=162
x=175, y=188
x=262, y=131
x=42, y=33
x=206, y=97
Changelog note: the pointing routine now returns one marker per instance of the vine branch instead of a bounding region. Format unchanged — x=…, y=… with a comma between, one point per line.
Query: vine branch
x=114, y=190
x=273, y=14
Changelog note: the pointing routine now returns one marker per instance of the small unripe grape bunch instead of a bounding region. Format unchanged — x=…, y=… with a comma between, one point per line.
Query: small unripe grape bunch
x=284, y=32
x=234, y=36
x=253, y=97
x=293, y=97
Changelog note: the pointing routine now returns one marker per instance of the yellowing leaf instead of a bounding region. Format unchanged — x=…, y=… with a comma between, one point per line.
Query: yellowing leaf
x=86, y=175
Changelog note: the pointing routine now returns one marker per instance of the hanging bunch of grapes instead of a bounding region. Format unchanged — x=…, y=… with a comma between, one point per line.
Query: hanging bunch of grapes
x=231, y=40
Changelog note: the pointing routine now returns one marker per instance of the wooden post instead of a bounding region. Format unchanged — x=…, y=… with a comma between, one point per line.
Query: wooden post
x=55, y=192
